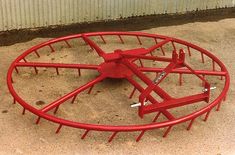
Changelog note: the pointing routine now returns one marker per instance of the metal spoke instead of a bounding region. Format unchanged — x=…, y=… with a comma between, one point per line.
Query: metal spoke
x=72, y=94
x=160, y=44
x=93, y=45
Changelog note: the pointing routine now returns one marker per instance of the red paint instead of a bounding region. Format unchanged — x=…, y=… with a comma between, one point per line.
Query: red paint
x=121, y=65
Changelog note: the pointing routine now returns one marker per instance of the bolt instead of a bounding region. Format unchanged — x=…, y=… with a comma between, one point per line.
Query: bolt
x=211, y=88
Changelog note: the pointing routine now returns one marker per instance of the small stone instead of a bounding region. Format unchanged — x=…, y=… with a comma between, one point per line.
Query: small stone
x=98, y=91
x=42, y=140
x=40, y=90
x=52, y=58
x=5, y=111
x=18, y=151
x=40, y=102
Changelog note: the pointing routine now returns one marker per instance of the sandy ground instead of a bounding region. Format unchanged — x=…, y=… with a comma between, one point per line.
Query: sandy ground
x=109, y=103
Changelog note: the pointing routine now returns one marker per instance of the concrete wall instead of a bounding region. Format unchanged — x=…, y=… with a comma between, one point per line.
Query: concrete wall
x=20, y=14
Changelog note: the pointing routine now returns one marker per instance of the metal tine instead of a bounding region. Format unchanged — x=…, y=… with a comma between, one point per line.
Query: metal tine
x=120, y=37
x=74, y=99
x=218, y=106
x=173, y=45
x=202, y=56
x=156, y=117
x=89, y=91
x=85, y=133
x=52, y=49
x=14, y=101
x=225, y=97
x=38, y=120
x=167, y=131
x=37, y=54
x=79, y=72
x=35, y=69
x=17, y=71
x=207, y=115
x=56, y=109
x=112, y=136
x=189, y=51
x=190, y=124
x=213, y=65
x=162, y=50
x=24, y=59
x=139, y=40
x=132, y=93
x=180, y=79
x=155, y=39
x=140, y=135
x=58, y=129
x=57, y=71
x=23, y=112
x=69, y=46
x=101, y=36
x=221, y=78
x=141, y=63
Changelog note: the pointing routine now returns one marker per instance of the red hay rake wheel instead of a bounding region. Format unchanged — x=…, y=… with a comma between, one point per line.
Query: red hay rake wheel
x=121, y=64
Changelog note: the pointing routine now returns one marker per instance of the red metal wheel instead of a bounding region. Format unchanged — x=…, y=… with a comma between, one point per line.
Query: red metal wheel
x=122, y=64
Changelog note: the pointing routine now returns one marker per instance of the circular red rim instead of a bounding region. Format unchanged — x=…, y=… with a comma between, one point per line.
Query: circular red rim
x=123, y=128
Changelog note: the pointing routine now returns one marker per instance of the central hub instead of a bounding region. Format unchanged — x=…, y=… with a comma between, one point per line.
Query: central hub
x=115, y=70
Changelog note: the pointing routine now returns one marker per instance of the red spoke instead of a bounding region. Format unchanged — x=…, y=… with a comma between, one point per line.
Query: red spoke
x=143, y=51
x=55, y=65
x=183, y=71
x=160, y=44
x=93, y=45
x=72, y=94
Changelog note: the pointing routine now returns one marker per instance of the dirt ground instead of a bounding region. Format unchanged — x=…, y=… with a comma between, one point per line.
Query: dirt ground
x=109, y=103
